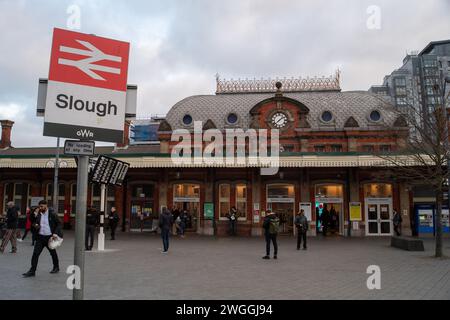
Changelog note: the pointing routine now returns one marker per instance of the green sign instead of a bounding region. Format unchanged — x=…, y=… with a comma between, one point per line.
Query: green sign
x=208, y=210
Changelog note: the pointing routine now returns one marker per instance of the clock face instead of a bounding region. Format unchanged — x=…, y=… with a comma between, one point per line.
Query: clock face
x=279, y=120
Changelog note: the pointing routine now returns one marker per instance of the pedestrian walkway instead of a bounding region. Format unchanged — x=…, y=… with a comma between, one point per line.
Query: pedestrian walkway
x=197, y=267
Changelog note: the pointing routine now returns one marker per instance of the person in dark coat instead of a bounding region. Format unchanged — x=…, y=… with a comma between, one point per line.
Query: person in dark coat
x=397, y=221
x=325, y=218
x=183, y=222
x=47, y=226
x=301, y=223
x=165, y=223
x=92, y=219
x=113, y=219
x=233, y=216
x=12, y=219
x=271, y=226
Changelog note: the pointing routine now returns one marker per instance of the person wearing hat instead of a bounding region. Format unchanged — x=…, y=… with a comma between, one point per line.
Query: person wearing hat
x=47, y=226
x=271, y=226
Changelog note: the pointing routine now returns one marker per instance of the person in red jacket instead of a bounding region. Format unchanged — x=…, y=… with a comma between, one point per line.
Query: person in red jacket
x=66, y=220
x=31, y=215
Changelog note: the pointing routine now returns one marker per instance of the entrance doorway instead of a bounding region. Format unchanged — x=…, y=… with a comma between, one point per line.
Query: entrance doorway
x=187, y=197
x=143, y=213
x=281, y=200
x=378, y=217
x=329, y=209
x=378, y=209
x=192, y=209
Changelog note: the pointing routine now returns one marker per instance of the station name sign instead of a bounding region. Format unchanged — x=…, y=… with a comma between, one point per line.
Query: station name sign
x=87, y=87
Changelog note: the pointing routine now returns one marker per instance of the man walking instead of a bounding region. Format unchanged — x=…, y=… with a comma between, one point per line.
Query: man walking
x=301, y=222
x=12, y=218
x=271, y=226
x=113, y=222
x=47, y=226
x=397, y=220
x=165, y=223
x=91, y=224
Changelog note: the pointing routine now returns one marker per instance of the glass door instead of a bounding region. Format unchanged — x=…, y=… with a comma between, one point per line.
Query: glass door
x=285, y=212
x=372, y=220
x=192, y=211
x=385, y=219
x=379, y=219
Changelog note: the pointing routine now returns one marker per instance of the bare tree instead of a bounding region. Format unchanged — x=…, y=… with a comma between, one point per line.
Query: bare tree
x=423, y=157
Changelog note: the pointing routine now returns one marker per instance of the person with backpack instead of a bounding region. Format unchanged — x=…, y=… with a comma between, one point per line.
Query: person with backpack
x=301, y=222
x=397, y=220
x=271, y=227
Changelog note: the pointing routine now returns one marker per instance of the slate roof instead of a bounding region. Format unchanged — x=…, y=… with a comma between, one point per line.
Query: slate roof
x=358, y=104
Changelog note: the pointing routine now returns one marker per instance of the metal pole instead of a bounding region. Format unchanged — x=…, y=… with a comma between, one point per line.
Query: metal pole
x=80, y=224
x=55, y=179
x=101, y=234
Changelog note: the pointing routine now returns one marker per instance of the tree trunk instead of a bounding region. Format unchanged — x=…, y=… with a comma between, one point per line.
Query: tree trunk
x=438, y=224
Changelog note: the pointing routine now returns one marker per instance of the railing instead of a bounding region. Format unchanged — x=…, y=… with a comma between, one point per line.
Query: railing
x=331, y=83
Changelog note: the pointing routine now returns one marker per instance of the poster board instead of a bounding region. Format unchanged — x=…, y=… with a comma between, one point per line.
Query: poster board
x=355, y=211
x=208, y=210
x=306, y=206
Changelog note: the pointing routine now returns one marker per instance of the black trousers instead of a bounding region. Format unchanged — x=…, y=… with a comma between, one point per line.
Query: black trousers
x=89, y=240
x=233, y=227
x=113, y=231
x=397, y=230
x=325, y=229
x=165, y=238
x=301, y=235
x=41, y=243
x=271, y=238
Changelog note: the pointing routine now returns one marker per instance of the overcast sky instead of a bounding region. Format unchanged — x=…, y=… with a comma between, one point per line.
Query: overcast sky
x=177, y=47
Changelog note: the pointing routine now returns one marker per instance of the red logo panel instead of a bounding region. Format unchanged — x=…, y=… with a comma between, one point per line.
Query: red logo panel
x=89, y=60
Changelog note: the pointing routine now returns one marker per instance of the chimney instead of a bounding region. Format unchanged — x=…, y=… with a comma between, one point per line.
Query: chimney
x=5, y=141
x=126, y=136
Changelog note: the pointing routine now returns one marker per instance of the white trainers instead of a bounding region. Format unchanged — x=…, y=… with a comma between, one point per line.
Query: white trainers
x=20, y=240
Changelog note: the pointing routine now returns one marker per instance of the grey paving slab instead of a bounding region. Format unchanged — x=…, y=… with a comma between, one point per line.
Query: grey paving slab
x=197, y=267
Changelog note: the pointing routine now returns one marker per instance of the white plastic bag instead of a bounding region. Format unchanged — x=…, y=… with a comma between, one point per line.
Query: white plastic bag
x=55, y=242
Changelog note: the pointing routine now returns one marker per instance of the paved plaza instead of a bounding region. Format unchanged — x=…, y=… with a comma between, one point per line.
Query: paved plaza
x=231, y=268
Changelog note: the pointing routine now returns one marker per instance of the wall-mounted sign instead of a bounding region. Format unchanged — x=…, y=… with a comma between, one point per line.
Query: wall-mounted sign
x=79, y=148
x=355, y=211
x=208, y=210
x=35, y=201
x=306, y=206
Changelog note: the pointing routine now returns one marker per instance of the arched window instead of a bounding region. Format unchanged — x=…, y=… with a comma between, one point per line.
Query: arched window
x=96, y=197
x=241, y=201
x=224, y=200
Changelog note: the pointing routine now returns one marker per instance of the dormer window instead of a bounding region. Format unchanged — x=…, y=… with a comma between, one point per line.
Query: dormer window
x=326, y=116
x=232, y=118
x=187, y=120
x=375, y=116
